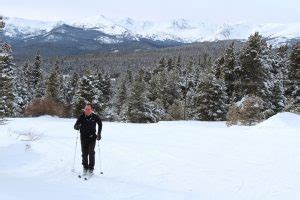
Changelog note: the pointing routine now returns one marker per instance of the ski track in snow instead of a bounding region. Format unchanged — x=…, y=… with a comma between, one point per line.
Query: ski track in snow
x=189, y=160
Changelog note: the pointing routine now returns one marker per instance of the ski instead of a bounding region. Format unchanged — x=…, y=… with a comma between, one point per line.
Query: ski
x=88, y=176
x=85, y=176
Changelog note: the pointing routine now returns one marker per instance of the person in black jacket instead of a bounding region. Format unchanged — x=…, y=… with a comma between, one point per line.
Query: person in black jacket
x=86, y=123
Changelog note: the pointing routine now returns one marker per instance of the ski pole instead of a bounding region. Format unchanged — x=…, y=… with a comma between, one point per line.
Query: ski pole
x=101, y=172
x=73, y=169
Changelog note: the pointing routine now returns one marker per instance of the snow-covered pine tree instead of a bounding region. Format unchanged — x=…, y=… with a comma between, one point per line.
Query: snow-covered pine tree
x=106, y=90
x=53, y=84
x=98, y=83
x=283, y=60
x=196, y=72
x=61, y=83
x=140, y=110
x=36, y=78
x=187, y=84
x=161, y=66
x=279, y=65
x=72, y=86
x=228, y=70
x=254, y=73
x=147, y=76
x=278, y=100
x=293, y=87
x=162, y=89
x=2, y=24
x=7, y=76
x=154, y=86
x=172, y=87
x=23, y=90
x=164, y=83
x=178, y=64
x=170, y=64
x=154, y=92
x=210, y=99
x=86, y=93
x=121, y=96
x=129, y=77
x=70, y=90
x=219, y=67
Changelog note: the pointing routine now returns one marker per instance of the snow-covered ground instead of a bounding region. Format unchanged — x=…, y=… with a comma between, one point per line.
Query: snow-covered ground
x=168, y=160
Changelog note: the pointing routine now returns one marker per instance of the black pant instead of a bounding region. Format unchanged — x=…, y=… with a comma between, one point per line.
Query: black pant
x=88, y=153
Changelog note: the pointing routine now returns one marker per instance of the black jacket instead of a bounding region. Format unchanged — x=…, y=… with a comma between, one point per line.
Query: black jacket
x=87, y=125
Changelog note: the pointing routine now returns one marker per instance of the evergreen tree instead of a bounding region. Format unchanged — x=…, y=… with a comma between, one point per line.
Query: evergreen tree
x=154, y=92
x=278, y=99
x=86, y=93
x=22, y=88
x=170, y=64
x=172, y=87
x=278, y=72
x=121, y=97
x=99, y=99
x=255, y=76
x=293, y=87
x=62, y=86
x=162, y=89
x=139, y=107
x=129, y=77
x=2, y=102
x=106, y=89
x=187, y=84
x=72, y=86
x=228, y=70
x=70, y=90
x=7, y=96
x=178, y=64
x=53, y=85
x=210, y=99
x=36, y=79
x=161, y=66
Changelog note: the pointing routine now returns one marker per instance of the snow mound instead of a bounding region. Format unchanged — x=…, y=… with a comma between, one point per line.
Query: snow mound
x=282, y=120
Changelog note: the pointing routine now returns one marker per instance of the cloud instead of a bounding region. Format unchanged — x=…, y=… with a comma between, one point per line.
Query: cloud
x=212, y=10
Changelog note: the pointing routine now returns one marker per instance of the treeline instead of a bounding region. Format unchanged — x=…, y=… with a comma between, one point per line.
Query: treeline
x=243, y=86
x=118, y=62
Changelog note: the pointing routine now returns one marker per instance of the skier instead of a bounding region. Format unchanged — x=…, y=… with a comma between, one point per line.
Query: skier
x=86, y=123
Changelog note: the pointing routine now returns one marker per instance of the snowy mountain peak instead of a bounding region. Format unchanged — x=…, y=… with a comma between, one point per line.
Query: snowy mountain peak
x=180, y=30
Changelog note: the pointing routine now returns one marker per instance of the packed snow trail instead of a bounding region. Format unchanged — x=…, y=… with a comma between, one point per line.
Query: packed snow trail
x=168, y=160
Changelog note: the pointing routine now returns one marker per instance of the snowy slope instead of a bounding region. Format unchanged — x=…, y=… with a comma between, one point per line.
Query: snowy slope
x=169, y=160
x=181, y=30
x=18, y=27
x=100, y=23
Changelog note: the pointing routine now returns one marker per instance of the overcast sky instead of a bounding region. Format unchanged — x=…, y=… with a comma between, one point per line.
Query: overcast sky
x=257, y=11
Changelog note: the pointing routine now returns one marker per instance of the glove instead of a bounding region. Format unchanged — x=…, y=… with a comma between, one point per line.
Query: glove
x=77, y=126
x=98, y=136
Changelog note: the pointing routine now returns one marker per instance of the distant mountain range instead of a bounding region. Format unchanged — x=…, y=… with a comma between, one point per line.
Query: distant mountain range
x=102, y=34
